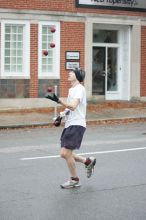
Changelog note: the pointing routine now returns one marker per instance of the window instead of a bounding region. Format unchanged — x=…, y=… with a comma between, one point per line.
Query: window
x=104, y=36
x=49, y=64
x=15, y=49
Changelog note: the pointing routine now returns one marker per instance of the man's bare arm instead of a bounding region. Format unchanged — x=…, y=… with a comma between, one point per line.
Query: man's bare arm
x=71, y=106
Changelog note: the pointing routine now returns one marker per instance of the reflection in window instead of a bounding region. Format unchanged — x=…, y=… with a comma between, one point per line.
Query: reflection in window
x=105, y=36
x=112, y=70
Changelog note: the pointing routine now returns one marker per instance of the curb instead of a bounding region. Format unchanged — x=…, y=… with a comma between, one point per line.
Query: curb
x=116, y=121
x=89, y=122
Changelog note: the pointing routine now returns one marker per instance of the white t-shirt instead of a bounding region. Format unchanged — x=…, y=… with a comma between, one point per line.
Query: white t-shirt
x=78, y=116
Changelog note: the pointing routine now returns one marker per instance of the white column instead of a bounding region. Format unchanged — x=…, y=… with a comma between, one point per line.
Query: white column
x=88, y=58
x=135, y=61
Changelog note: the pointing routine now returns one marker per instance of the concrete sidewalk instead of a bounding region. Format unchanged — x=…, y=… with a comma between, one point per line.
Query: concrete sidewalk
x=104, y=113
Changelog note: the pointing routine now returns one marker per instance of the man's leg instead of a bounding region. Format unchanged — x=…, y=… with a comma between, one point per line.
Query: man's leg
x=89, y=163
x=67, y=154
x=78, y=158
x=74, y=180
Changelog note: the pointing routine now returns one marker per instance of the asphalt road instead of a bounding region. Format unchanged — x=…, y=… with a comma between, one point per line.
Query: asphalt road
x=31, y=172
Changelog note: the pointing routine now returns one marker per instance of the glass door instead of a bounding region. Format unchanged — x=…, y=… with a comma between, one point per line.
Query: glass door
x=104, y=70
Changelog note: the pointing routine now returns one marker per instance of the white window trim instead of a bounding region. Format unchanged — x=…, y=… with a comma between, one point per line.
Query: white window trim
x=56, y=58
x=26, y=51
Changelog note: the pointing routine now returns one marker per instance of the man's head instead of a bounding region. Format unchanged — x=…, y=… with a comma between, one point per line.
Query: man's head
x=80, y=74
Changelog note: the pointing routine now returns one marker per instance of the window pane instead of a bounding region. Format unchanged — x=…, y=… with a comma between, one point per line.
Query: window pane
x=50, y=61
x=44, y=68
x=19, y=37
x=50, y=53
x=44, y=46
x=44, y=61
x=7, y=68
x=13, y=68
x=13, y=45
x=7, y=60
x=14, y=37
x=7, y=29
x=104, y=36
x=98, y=71
x=19, y=68
x=13, y=60
x=7, y=52
x=19, y=52
x=20, y=30
x=19, y=45
x=44, y=30
x=13, y=52
x=44, y=38
x=19, y=60
x=50, y=38
x=7, y=37
x=50, y=68
x=14, y=29
x=112, y=70
x=7, y=45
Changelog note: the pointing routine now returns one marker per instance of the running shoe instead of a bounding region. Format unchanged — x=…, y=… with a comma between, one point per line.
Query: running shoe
x=70, y=184
x=90, y=167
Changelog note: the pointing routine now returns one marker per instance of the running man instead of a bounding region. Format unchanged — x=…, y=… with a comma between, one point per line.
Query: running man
x=75, y=126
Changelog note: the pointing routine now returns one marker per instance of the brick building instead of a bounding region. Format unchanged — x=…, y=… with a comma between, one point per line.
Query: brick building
x=105, y=37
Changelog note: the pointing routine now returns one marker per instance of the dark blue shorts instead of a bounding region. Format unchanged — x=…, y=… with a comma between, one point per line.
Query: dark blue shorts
x=72, y=136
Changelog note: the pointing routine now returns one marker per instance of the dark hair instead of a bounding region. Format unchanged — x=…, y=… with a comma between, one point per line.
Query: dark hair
x=80, y=74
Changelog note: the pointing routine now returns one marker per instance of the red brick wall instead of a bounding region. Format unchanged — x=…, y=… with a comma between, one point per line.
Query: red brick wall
x=34, y=61
x=143, y=61
x=56, y=5
x=72, y=39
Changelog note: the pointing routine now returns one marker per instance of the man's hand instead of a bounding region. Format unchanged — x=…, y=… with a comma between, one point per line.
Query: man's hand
x=57, y=121
x=64, y=113
x=52, y=97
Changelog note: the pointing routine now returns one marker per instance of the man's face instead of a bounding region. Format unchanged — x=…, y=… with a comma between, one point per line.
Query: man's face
x=71, y=76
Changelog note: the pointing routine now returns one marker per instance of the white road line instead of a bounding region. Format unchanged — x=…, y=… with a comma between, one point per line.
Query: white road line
x=88, y=153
